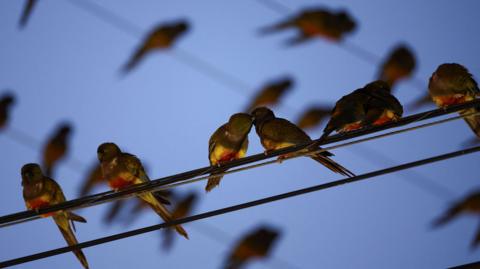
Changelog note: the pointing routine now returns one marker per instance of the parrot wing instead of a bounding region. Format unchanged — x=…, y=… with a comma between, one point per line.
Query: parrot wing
x=27, y=12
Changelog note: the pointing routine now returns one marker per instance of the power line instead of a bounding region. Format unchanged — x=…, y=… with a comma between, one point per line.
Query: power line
x=156, y=184
x=238, y=207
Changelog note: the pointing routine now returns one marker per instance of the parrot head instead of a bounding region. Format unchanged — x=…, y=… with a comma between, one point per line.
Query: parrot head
x=345, y=22
x=267, y=234
x=107, y=151
x=378, y=85
x=181, y=26
x=64, y=129
x=7, y=99
x=450, y=70
x=31, y=174
x=240, y=123
x=261, y=114
x=286, y=83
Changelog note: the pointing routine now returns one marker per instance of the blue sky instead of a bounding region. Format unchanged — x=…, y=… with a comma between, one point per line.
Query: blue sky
x=65, y=66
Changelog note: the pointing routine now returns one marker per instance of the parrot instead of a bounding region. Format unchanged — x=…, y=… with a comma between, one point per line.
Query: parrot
x=313, y=116
x=316, y=22
x=370, y=105
x=470, y=204
x=276, y=133
x=6, y=102
x=27, y=12
x=229, y=142
x=270, y=94
x=56, y=147
x=94, y=178
x=256, y=244
x=122, y=170
x=399, y=65
x=181, y=210
x=452, y=84
x=40, y=191
x=162, y=37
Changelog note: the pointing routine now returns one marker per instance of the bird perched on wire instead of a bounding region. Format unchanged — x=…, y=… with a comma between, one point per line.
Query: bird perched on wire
x=40, y=191
x=399, y=65
x=6, y=101
x=27, y=12
x=161, y=38
x=470, y=204
x=256, y=244
x=276, y=133
x=122, y=170
x=370, y=105
x=182, y=209
x=56, y=147
x=313, y=116
x=229, y=142
x=270, y=94
x=318, y=22
x=452, y=84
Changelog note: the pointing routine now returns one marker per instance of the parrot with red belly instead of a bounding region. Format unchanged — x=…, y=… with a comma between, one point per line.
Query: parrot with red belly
x=277, y=133
x=270, y=94
x=6, y=102
x=316, y=23
x=56, y=148
x=452, y=84
x=122, y=170
x=162, y=37
x=229, y=142
x=39, y=192
x=399, y=65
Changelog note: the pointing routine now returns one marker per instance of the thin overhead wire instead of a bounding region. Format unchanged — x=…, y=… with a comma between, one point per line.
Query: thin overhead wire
x=238, y=207
x=159, y=183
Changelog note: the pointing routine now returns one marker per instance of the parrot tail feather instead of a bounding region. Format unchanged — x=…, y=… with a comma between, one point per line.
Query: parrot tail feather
x=213, y=182
x=448, y=216
x=275, y=28
x=134, y=60
x=476, y=240
x=332, y=165
x=473, y=120
x=74, y=217
x=27, y=12
x=67, y=232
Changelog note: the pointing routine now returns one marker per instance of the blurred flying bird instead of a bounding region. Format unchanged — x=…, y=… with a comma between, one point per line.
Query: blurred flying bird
x=39, y=192
x=56, y=147
x=93, y=179
x=270, y=94
x=399, y=65
x=229, y=142
x=182, y=209
x=256, y=244
x=122, y=170
x=317, y=22
x=276, y=133
x=161, y=38
x=6, y=101
x=313, y=116
x=27, y=12
x=452, y=84
x=470, y=204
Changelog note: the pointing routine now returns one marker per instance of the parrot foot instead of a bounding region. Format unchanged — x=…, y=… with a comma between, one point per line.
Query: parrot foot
x=267, y=151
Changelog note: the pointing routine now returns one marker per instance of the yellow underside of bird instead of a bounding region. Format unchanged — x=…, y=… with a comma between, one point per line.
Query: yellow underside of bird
x=223, y=154
x=447, y=100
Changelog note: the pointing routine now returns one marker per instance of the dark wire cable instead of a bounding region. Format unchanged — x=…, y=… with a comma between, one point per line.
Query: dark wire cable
x=155, y=184
x=238, y=207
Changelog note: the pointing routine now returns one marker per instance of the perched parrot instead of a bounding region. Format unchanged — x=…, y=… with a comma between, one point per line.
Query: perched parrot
x=6, y=102
x=399, y=65
x=93, y=178
x=316, y=23
x=162, y=37
x=270, y=94
x=39, y=192
x=229, y=142
x=121, y=170
x=256, y=244
x=313, y=116
x=452, y=84
x=370, y=105
x=471, y=204
x=56, y=148
x=27, y=12
x=276, y=133
x=181, y=210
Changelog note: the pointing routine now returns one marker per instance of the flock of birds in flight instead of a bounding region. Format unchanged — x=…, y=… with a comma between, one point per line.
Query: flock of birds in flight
x=373, y=104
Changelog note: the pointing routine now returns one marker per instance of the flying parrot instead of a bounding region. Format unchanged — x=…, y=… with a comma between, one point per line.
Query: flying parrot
x=40, y=191
x=399, y=65
x=317, y=22
x=452, y=84
x=276, y=133
x=181, y=210
x=93, y=178
x=313, y=116
x=27, y=12
x=270, y=94
x=6, y=102
x=229, y=142
x=256, y=244
x=161, y=38
x=56, y=147
x=470, y=204
x=122, y=170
